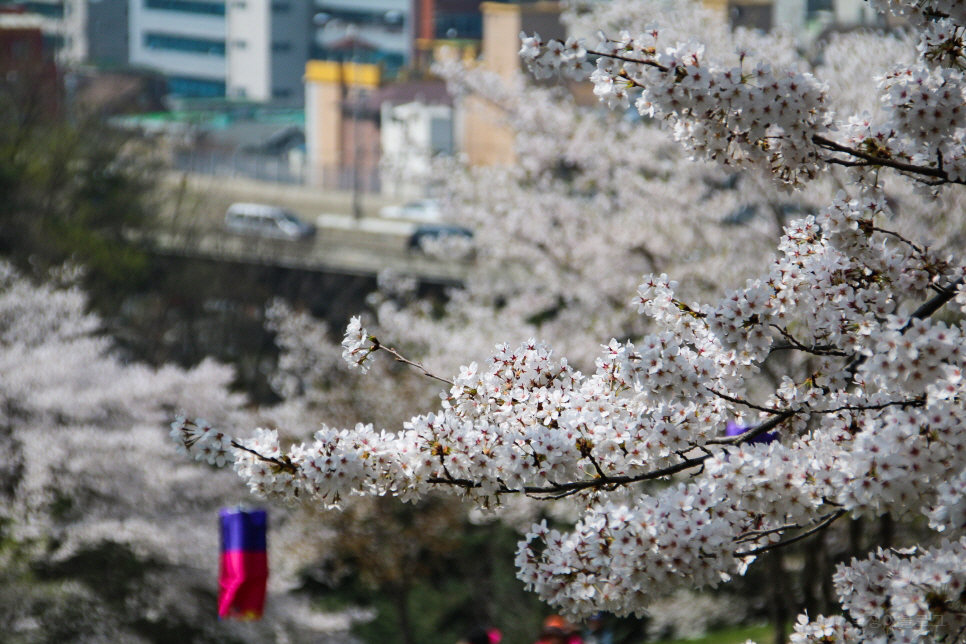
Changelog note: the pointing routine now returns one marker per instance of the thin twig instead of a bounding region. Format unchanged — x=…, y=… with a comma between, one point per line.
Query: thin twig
x=739, y=401
x=651, y=63
x=399, y=358
x=915, y=402
x=823, y=350
x=899, y=237
x=821, y=526
x=286, y=466
x=756, y=534
x=767, y=426
x=926, y=310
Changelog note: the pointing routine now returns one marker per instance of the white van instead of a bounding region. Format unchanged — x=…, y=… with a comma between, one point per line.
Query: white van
x=421, y=210
x=266, y=221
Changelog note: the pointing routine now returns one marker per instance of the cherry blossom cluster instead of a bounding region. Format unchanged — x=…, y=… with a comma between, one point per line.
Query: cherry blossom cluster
x=527, y=422
x=198, y=439
x=618, y=558
x=356, y=346
x=828, y=630
x=941, y=43
x=554, y=56
x=925, y=11
x=782, y=120
x=927, y=111
x=738, y=116
x=868, y=414
x=897, y=597
x=949, y=512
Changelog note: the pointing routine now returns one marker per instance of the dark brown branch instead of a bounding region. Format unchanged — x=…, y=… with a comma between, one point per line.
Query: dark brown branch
x=580, y=486
x=767, y=426
x=915, y=402
x=927, y=309
x=823, y=350
x=625, y=59
x=821, y=526
x=739, y=401
x=936, y=303
x=286, y=466
x=902, y=166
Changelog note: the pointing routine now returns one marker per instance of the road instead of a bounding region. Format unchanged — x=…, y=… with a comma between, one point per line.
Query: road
x=191, y=226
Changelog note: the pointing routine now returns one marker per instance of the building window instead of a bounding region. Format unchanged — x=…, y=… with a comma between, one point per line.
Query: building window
x=280, y=7
x=811, y=6
x=281, y=93
x=53, y=42
x=180, y=43
x=20, y=49
x=195, y=87
x=46, y=9
x=391, y=20
x=187, y=6
x=459, y=25
x=280, y=47
x=239, y=44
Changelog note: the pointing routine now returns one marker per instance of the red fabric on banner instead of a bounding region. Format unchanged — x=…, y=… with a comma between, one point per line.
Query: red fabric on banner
x=241, y=581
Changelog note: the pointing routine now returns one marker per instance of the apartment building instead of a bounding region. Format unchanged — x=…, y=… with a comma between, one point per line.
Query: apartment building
x=245, y=49
x=268, y=43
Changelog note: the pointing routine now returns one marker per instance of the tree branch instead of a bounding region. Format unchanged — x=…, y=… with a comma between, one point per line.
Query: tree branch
x=625, y=59
x=824, y=350
x=821, y=526
x=286, y=466
x=399, y=358
x=739, y=401
x=927, y=309
x=902, y=166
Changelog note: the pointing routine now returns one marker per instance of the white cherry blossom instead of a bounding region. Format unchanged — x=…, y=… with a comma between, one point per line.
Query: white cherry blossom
x=840, y=344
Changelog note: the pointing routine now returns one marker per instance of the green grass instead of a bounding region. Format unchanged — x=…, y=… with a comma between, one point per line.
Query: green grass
x=761, y=634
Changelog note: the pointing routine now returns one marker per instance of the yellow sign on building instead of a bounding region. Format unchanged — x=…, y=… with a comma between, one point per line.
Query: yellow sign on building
x=330, y=71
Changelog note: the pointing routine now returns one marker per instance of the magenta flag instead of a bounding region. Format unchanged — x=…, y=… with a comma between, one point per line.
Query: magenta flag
x=243, y=571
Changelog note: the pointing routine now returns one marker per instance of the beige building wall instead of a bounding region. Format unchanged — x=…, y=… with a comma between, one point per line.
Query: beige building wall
x=721, y=6
x=327, y=84
x=485, y=137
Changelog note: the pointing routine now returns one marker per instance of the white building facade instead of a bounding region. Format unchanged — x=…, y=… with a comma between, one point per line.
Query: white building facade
x=245, y=49
x=411, y=135
x=268, y=44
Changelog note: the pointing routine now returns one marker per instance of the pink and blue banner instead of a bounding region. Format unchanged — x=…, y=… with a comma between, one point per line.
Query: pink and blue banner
x=244, y=564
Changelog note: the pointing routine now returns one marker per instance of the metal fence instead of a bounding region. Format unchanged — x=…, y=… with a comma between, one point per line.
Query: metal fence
x=276, y=169
x=349, y=178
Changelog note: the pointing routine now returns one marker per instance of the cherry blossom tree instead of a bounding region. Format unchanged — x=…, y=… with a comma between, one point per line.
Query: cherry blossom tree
x=103, y=537
x=550, y=229
x=872, y=427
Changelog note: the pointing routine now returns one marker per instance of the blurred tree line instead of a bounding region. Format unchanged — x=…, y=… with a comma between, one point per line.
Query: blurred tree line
x=70, y=186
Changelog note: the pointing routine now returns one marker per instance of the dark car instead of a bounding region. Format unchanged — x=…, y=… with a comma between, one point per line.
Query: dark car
x=437, y=232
